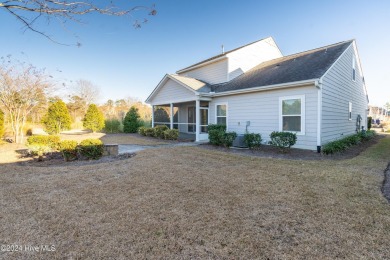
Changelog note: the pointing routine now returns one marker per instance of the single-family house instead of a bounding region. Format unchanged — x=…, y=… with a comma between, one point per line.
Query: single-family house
x=318, y=94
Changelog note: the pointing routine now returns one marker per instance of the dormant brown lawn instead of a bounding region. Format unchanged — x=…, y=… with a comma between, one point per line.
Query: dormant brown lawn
x=189, y=202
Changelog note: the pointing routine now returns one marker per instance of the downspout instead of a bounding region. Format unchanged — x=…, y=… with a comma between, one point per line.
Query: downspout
x=319, y=113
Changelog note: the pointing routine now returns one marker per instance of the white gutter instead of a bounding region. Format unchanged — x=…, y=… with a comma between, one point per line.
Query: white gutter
x=202, y=64
x=319, y=113
x=263, y=88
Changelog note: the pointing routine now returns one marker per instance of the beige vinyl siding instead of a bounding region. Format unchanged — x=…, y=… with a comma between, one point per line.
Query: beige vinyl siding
x=246, y=58
x=262, y=110
x=338, y=89
x=213, y=73
x=172, y=92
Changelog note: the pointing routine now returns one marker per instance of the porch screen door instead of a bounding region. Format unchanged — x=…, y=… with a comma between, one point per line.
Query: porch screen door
x=191, y=119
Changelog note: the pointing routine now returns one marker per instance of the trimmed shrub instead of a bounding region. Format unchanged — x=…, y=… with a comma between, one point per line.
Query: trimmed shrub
x=216, y=134
x=217, y=127
x=159, y=131
x=131, y=123
x=171, y=134
x=228, y=138
x=283, y=140
x=91, y=148
x=51, y=141
x=68, y=148
x=112, y=126
x=346, y=142
x=149, y=131
x=369, y=122
x=141, y=130
x=252, y=140
x=39, y=150
x=367, y=135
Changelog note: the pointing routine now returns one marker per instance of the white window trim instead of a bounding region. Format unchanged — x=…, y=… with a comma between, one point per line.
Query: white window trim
x=227, y=113
x=303, y=114
x=350, y=111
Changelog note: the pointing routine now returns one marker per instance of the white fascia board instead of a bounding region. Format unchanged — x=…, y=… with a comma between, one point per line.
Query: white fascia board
x=202, y=64
x=174, y=101
x=264, y=88
x=162, y=81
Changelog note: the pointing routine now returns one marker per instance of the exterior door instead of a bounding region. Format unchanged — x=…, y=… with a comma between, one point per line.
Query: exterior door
x=191, y=119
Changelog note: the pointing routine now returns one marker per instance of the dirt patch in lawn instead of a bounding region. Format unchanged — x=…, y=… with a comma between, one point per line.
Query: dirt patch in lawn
x=267, y=151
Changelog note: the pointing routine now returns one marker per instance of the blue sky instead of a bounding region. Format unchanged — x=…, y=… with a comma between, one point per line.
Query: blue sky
x=124, y=61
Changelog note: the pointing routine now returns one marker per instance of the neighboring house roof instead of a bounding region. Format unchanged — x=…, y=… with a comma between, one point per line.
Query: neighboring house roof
x=194, y=84
x=216, y=57
x=297, y=67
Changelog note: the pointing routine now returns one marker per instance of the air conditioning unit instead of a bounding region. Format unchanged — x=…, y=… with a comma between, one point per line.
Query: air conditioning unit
x=239, y=141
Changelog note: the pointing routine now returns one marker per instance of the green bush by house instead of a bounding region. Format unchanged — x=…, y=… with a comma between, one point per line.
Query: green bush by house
x=252, y=140
x=159, y=131
x=346, y=142
x=283, y=140
x=91, y=148
x=171, y=134
x=219, y=136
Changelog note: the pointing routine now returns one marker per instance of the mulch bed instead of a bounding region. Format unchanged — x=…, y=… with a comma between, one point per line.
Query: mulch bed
x=56, y=159
x=267, y=151
x=386, y=184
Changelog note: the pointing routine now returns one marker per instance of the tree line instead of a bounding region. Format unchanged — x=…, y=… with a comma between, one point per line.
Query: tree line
x=27, y=100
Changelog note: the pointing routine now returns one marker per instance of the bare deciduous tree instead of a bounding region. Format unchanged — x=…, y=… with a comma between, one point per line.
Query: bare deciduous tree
x=87, y=91
x=22, y=88
x=29, y=12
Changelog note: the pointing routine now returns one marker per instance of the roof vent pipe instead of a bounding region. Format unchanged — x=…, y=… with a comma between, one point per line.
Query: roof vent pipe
x=223, y=49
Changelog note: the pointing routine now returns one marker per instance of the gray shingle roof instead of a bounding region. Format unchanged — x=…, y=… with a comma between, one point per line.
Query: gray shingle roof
x=192, y=83
x=297, y=67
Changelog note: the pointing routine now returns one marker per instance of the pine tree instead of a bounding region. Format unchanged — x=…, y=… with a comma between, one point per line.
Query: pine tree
x=1, y=124
x=131, y=123
x=93, y=119
x=57, y=118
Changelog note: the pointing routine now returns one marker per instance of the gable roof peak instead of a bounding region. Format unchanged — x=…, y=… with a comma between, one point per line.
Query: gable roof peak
x=221, y=56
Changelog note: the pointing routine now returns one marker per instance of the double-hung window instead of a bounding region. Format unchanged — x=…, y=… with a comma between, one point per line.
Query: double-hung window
x=292, y=114
x=353, y=69
x=221, y=114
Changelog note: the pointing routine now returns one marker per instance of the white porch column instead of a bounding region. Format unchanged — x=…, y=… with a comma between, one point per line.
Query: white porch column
x=197, y=120
x=171, y=116
x=152, y=116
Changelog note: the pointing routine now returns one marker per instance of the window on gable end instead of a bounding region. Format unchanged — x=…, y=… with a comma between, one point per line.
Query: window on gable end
x=353, y=69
